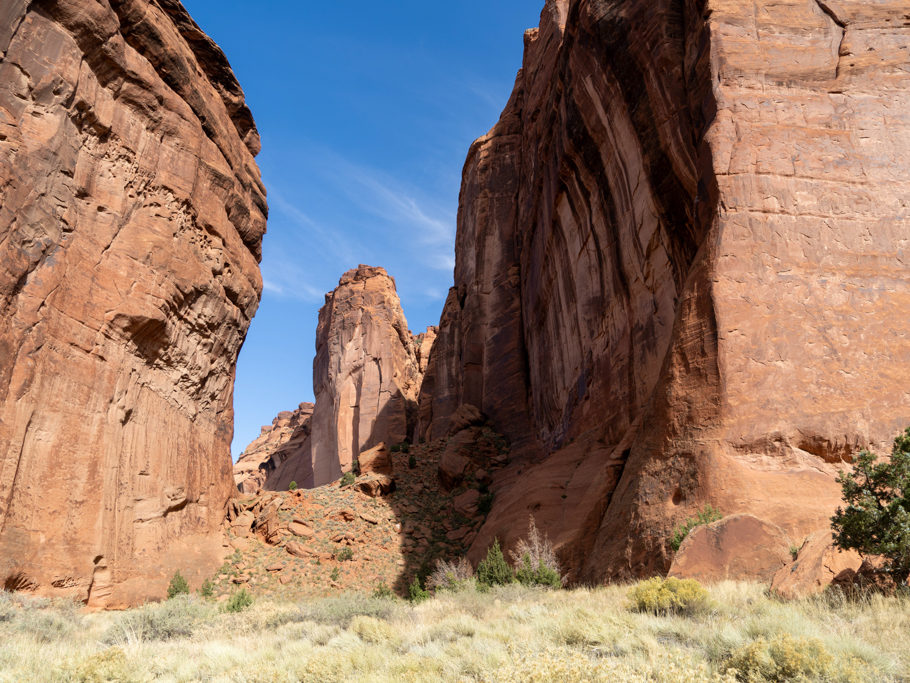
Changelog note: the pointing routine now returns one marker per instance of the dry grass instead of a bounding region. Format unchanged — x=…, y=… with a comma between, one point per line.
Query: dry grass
x=510, y=633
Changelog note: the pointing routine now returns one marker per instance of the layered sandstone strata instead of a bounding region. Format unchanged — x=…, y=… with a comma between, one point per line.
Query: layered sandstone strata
x=680, y=269
x=287, y=437
x=366, y=378
x=131, y=215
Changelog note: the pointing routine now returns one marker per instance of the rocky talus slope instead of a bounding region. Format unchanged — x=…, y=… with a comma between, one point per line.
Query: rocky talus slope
x=351, y=537
x=680, y=270
x=366, y=378
x=131, y=215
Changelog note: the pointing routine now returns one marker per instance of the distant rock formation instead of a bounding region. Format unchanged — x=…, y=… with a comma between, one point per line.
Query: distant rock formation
x=681, y=272
x=286, y=437
x=366, y=378
x=131, y=215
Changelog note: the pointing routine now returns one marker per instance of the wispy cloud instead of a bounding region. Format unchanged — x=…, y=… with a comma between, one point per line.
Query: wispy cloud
x=287, y=280
x=313, y=231
x=421, y=223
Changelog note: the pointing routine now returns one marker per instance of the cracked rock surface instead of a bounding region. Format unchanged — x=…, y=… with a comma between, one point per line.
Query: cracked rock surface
x=131, y=216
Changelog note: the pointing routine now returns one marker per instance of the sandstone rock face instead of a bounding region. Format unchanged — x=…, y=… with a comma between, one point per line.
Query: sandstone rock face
x=131, y=215
x=287, y=437
x=366, y=377
x=680, y=270
x=817, y=565
x=735, y=547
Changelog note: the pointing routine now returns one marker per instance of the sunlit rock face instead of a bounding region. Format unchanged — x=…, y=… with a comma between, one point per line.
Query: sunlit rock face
x=681, y=270
x=366, y=377
x=131, y=216
x=287, y=437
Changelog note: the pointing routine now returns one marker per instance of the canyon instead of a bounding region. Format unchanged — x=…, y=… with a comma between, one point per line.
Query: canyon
x=132, y=215
x=680, y=280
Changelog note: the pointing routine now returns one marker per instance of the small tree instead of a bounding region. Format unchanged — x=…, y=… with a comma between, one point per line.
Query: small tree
x=292, y=486
x=177, y=586
x=535, y=560
x=238, y=601
x=416, y=592
x=704, y=516
x=493, y=570
x=876, y=520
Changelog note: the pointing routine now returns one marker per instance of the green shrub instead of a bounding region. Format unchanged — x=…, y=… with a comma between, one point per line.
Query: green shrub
x=668, y=596
x=340, y=610
x=412, y=461
x=382, y=591
x=292, y=486
x=345, y=554
x=347, y=479
x=177, y=586
x=372, y=630
x=405, y=447
x=175, y=618
x=535, y=560
x=541, y=575
x=782, y=658
x=416, y=592
x=238, y=601
x=207, y=589
x=876, y=520
x=110, y=664
x=704, y=516
x=493, y=570
x=335, y=574
x=47, y=626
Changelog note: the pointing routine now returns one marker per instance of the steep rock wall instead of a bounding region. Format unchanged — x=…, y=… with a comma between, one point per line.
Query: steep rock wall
x=131, y=216
x=678, y=252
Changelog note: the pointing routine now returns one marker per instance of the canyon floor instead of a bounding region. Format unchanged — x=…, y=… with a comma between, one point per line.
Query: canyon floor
x=506, y=634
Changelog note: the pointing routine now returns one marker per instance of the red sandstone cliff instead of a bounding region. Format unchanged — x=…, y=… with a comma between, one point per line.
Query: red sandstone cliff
x=680, y=269
x=287, y=437
x=131, y=215
x=366, y=377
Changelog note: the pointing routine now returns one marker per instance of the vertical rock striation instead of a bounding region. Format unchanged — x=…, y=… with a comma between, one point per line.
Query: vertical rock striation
x=366, y=377
x=680, y=269
x=131, y=216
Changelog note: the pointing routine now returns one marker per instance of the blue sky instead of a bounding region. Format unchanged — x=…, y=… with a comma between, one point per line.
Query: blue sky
x=366, y=112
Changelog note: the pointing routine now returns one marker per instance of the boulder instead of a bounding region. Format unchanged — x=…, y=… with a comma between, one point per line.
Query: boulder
x=375, y=485
x=818, y=564
x=375, y=460
x=300, y=529
x=467, y=415
x=298, y=549
x=466, y=503
x=735, y=547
